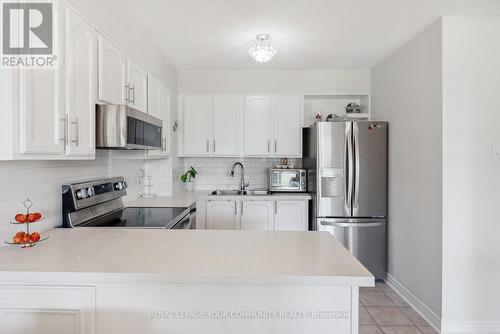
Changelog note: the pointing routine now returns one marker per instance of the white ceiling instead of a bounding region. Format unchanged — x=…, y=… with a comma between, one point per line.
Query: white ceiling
x=309, y=34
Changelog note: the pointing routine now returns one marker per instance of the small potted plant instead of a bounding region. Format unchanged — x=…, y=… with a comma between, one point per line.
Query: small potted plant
x=188, y=178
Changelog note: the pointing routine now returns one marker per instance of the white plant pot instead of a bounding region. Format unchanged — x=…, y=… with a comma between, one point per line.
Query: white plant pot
x=189, y=186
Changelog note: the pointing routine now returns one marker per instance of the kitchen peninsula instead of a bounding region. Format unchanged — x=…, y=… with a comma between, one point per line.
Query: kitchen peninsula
x=191, y=281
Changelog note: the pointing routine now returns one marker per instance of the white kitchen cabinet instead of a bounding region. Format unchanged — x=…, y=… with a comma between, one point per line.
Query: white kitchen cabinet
x=81, y=81
x=137, y=87
x=251, y=213
x=211, y=125
x=258, y=126
x=159, y=106
x=47, y=309
x=222, y=215
x=112, y=84
x=290, y=216
x=227, y=127
x=197, y=117
x=257, y=215
x=287, y=125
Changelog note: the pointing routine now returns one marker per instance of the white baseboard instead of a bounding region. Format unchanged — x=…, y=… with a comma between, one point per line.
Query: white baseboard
x=425, y=312
x=465, y=326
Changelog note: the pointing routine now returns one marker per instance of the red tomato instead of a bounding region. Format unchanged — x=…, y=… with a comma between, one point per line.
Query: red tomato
x=34, y=237
x=37, y=215
x=20, y=218
x=17, y=239
x=26, y=239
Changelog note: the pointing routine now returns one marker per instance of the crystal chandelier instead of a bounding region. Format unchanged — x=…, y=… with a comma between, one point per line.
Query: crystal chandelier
x=261, y=50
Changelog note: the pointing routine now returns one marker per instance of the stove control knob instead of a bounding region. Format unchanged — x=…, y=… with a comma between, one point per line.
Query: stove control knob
x=90, y=192
x=119, y=185
x=125, y=184
x=81, y=194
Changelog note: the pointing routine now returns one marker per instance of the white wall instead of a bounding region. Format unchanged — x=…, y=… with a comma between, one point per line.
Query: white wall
x=275, y=81
x=406, y=91
x=471, y=175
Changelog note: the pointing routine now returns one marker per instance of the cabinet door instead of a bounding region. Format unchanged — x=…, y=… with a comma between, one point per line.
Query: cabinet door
x=257, y=215
x=227, y=132
x=112, y=73
x=287, y=111
x=81, y=44
x=137, y=80
x=222, y=215
x=41, y=104
x=197, y=124
x=159, y=106
x=257, y=126
x=290, y=216
x=47, y=309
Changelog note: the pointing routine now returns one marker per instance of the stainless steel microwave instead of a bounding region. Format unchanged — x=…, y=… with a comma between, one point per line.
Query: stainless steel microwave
x=121, y=127
x=287, y=180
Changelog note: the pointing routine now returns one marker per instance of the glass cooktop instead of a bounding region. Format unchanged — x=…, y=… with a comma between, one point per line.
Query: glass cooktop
x=140, y=218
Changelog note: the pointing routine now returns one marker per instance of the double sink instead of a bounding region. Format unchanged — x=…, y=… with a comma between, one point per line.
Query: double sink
x=254, y=192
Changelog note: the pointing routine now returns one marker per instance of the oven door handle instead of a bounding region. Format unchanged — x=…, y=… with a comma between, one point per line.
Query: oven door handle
x=182, y=223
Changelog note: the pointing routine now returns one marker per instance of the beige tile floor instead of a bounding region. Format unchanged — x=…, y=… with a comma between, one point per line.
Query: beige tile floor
x=382, y=311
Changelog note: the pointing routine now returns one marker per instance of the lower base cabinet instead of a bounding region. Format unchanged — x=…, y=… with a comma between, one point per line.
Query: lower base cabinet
x=257, y=215
x=263, y=215
x=47, y=309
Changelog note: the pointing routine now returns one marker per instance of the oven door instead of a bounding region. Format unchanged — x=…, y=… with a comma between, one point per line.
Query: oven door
x=184, y=223
x=287, y=180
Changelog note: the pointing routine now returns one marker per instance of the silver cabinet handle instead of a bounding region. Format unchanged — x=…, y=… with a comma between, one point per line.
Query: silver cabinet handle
x=127, y=93
x=275, y=208
x=65, y=127
x=213, y=145
x=275, y=146
x=164, y=144
x=241, y=208
x=77, y=132
x=268, y=146
x=235, y=208
x=132, y=88
x=208, y=145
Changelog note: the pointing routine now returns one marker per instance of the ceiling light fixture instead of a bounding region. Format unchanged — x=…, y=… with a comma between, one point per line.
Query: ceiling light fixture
x=261, y=50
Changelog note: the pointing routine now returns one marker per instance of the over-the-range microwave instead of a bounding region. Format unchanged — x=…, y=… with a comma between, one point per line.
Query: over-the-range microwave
x=287, y=180
x=121, y=127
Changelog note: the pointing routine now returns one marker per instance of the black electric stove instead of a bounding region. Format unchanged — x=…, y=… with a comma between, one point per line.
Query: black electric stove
x=99, y=204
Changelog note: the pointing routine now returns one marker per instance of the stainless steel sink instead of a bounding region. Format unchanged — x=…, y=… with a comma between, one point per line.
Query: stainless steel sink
x=226, y=193
x=253, y=192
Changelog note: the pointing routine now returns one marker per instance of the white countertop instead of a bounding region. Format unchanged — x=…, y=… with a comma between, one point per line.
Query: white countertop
x=187, y=256
x=185, y=199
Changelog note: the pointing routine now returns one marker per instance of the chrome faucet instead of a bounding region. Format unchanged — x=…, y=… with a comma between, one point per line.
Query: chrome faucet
x=243, y=185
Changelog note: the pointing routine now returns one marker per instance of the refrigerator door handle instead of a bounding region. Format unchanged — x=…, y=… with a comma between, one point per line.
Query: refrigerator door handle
x=349, y=165
x=327, y=223
x=355, y=139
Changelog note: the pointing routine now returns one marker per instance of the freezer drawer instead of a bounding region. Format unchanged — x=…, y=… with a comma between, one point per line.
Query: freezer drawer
x=364, y=238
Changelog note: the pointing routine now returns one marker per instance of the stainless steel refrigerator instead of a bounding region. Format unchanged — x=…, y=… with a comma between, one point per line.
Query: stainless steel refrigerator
x=346, y=166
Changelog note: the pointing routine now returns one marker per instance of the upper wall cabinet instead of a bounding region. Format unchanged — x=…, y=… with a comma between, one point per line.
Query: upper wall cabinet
x=227, y=125
x=233, y=125
x=121, y=81
x=81, y=82
x=159, y=106
x=50, y=113
x=113, y=88
x=211, y=125
x=137, y=87
x=273, y=125
x=258, y=127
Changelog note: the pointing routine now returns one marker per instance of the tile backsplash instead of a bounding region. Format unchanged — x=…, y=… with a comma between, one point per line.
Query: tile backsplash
x=214, y=172
x=41, y=182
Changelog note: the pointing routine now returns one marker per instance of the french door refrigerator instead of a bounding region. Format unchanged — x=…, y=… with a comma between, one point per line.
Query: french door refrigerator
x=346, y=163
